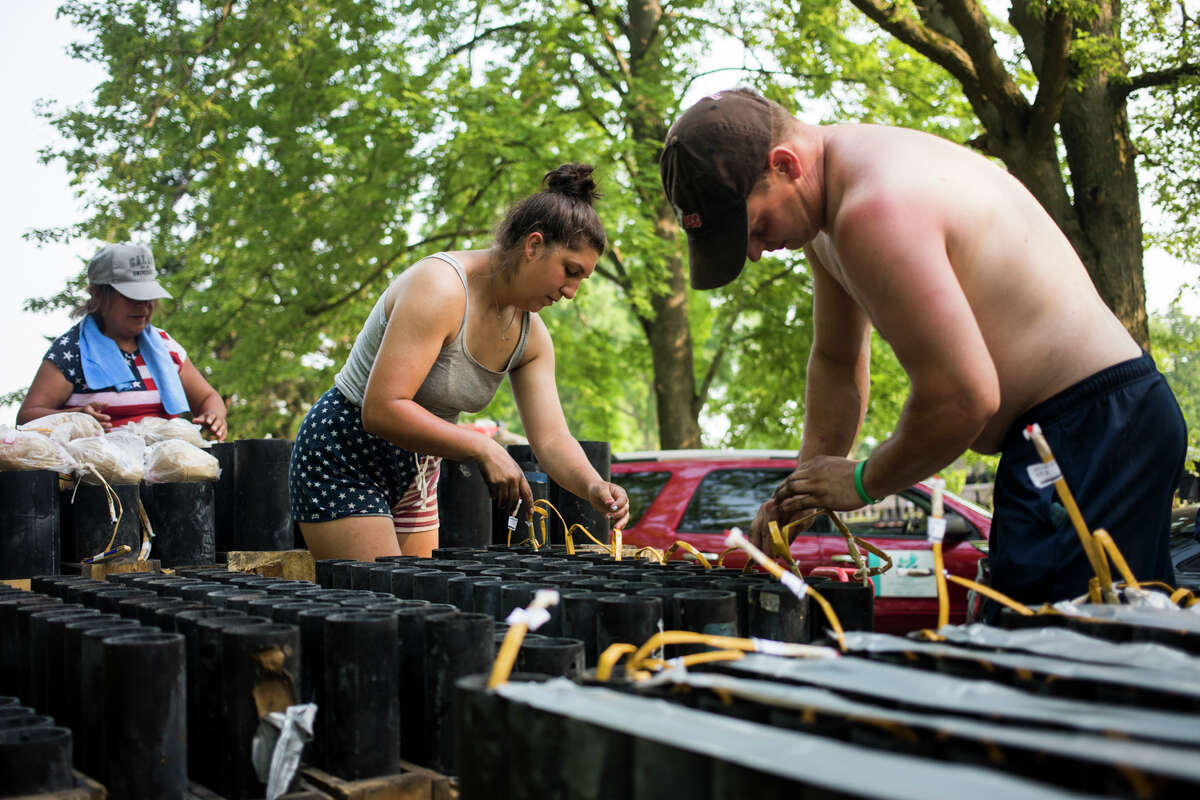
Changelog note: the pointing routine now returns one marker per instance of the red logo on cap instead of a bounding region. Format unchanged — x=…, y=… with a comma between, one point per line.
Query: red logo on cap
x=690, y=221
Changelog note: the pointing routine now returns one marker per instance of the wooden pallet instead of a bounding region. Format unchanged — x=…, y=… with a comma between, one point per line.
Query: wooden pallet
x=85, y=789
x=411, y=783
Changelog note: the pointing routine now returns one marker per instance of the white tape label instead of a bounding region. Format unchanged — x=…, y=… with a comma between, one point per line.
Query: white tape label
x=1044, y=473
x=795, y=583
x=531, y=618
x=935, y=529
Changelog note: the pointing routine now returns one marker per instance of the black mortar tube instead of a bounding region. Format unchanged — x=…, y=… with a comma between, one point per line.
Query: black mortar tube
x=458, y=645
x=361, y=676
x=245, y=665
x=145, y=729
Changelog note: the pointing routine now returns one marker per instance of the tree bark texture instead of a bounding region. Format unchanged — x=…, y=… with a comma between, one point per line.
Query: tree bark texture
x=668, y=330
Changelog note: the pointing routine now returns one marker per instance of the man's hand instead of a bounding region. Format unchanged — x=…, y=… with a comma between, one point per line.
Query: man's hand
x=760, y=535
x=820, y=482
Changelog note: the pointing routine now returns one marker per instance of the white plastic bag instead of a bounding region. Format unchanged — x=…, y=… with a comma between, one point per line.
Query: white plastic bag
x=177, y=461
x=28, y=450
x=65, y=426
x=117, y=456
x=157, y=429
x=278, y=744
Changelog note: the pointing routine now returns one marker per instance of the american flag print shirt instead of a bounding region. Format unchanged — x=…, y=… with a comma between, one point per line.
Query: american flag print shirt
x=140, y=401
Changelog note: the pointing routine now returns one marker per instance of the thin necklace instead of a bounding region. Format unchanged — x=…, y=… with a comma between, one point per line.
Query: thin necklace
x=499, y=316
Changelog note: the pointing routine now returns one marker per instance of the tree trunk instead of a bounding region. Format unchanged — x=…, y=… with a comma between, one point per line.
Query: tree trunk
x=1095, y=132
x=670, y=337
x=1102, y=217
x=668, y=331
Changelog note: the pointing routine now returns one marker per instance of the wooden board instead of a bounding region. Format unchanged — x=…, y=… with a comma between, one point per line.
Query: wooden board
x=101, y=571
x=85, y=789
x=19, y=583
x=294, y=565
x=412, y=783
x=197, y=792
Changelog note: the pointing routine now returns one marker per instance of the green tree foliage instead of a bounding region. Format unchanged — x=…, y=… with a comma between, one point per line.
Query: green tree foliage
x=264, y=152
x=286, y=159
x=1174, y=337
x=1051, y=88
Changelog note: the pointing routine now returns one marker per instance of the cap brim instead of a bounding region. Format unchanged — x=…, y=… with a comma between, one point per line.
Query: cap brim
x=717, y=253
x=142, y=290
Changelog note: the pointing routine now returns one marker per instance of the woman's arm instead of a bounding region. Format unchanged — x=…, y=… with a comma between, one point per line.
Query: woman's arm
x=541, y=413
x=49, y=394
x=207, y=407
x=427, y=305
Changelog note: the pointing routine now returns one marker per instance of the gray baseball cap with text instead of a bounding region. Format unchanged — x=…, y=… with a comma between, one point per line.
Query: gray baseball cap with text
x=128, y=268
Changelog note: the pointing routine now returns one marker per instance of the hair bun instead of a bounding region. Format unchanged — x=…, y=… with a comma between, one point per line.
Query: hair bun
x=574, y=181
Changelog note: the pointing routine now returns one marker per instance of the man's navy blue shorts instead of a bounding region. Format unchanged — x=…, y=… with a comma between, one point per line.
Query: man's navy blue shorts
x=339, y=470
x=1120, y=440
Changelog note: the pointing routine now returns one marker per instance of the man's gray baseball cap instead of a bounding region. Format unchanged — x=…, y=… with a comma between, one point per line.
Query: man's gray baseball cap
x=128, y=268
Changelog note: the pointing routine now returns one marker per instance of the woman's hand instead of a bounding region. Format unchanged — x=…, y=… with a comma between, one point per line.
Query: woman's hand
x=505, y=480
x=96, y=412
x=612, y=500
x=215, y=422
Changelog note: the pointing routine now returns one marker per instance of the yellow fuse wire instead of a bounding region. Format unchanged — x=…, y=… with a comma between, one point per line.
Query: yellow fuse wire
x=534, y=614
x=642, y=657
x=588, y=534
x=793, y=582
x=682, y=545
x=1099, y=565
x=707, y=657
x=935, y=529
x=652, y=553
x=992, y=593
x=609, y=658
x=860, y=563
x=1109, y=547
x=943, y=591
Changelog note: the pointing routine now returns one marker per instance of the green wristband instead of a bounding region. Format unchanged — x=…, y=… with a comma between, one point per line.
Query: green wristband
x=858, y=484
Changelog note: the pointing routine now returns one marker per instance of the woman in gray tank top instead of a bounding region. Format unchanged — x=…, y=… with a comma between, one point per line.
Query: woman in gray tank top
x=437, y=343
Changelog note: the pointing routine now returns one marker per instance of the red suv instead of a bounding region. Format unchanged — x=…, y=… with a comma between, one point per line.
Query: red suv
x=698, y=495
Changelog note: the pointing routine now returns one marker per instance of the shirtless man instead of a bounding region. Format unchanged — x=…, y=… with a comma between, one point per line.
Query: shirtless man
x=986, y=305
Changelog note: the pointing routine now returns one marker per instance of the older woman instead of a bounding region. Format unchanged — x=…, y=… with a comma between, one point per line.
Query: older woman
x=438, y=342
x=114, y=365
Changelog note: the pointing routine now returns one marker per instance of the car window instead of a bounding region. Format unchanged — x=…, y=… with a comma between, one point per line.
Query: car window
x=903, y=514
x=642, y=488
x=729, y=497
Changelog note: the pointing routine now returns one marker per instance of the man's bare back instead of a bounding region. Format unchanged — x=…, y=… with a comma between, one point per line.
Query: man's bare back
x=1040, y=316
x=982, y=299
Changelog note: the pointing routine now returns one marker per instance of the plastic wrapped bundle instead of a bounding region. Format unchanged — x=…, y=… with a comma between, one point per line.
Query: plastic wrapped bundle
x=117, y=457
x=28, y=450
x=156, y=429
x=177, y=461
x=65, y=426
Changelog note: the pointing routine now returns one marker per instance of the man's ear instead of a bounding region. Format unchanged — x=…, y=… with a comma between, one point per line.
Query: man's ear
x=783, y=159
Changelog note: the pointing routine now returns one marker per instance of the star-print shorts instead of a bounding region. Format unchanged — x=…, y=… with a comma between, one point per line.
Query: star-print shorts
x=339, y=470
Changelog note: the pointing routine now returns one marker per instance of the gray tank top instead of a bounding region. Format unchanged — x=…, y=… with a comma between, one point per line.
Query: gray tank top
x=456, y=382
